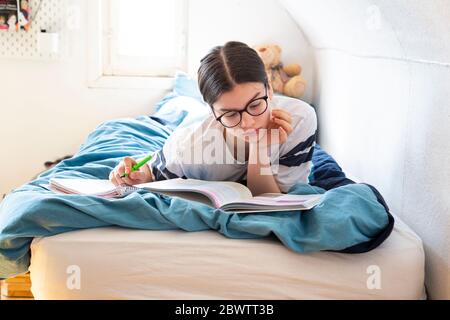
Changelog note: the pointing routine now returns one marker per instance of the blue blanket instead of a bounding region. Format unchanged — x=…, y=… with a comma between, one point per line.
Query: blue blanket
x=351, y=217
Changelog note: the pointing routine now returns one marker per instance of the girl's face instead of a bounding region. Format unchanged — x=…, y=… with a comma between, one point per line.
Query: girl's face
x=242, y=95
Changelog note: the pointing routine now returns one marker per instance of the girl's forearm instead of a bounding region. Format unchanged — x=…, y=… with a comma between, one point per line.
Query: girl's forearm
x=260, y=178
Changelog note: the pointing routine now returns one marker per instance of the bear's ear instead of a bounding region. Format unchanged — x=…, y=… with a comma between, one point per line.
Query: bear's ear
x=278, y=48
x=259, y=48
x=262, y=50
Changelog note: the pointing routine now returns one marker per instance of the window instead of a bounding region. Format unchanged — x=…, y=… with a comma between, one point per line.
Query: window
x=144, y=37
x=136, y=39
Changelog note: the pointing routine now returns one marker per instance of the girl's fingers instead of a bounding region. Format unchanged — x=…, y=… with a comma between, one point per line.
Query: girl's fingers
x=281, y=114
x=120, y=169
x=118, y=178
x=128, y=181
x=128, y=163
x=284, y=124
x=283, y=135
x=125, y=167
x=119, y=173
x=137, y=176
x=134, y=177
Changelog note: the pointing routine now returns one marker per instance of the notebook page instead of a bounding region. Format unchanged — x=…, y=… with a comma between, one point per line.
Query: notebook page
x=86, y=186
x=124, y=190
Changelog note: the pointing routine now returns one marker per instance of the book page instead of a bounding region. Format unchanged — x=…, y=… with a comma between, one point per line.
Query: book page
x=276, y=200
x=287, y=199
x=192, y=196
x=220, y=192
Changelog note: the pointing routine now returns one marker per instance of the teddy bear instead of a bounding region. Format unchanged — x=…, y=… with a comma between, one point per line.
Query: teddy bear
x=285, y=79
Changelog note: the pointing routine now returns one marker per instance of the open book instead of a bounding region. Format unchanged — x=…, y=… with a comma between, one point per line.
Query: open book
x=228, y=196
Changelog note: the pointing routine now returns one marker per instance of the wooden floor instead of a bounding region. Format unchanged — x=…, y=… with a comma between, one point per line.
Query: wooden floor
x=17, y=288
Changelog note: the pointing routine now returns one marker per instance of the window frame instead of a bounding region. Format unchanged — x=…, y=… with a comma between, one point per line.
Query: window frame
x=100, y=72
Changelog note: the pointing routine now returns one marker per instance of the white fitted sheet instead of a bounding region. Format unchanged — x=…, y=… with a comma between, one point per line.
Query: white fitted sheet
x=118, y=263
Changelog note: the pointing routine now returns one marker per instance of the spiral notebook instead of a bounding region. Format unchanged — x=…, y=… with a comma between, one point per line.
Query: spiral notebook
x=225, y=195
x=91, y=187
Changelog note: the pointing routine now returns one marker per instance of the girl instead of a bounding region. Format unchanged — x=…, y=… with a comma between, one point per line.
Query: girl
x=251, y=136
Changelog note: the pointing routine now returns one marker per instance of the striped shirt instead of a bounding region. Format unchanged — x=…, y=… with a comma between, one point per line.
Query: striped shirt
x=199, y=151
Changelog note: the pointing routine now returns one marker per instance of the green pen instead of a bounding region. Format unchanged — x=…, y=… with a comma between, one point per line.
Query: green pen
x=138, y=165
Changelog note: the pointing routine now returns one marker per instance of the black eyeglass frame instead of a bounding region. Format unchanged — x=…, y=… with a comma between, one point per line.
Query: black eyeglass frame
x=265, y=98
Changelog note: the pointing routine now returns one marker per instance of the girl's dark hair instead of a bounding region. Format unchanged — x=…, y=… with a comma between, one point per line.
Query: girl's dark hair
x=225, y=66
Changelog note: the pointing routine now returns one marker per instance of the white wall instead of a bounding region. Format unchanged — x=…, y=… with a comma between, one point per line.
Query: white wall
x=47, y=109
x=251, y=21
x=383, y=99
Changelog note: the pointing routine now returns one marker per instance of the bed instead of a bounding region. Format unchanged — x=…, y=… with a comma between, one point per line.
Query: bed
x=119, y=263
x=350, y=246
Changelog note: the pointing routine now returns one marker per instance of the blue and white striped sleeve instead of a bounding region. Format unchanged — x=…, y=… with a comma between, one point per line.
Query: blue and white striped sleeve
x=166, y=163
x=295, y=162
x=159, y=167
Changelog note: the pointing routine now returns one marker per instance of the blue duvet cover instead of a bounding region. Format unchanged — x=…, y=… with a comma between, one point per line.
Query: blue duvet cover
x=351, y=218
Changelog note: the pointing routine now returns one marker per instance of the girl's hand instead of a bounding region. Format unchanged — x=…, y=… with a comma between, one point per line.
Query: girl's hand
x=143, y=175
x=280, y=120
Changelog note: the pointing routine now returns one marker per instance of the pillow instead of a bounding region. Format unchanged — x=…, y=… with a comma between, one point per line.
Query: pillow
x=182, y=111
x=184, y=105
x=184, y=86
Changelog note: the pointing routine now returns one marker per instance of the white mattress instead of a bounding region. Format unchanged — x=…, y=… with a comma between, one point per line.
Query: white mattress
x=117, y=263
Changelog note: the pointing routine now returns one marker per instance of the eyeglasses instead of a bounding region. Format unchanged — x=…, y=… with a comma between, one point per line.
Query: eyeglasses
x=255, y=107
